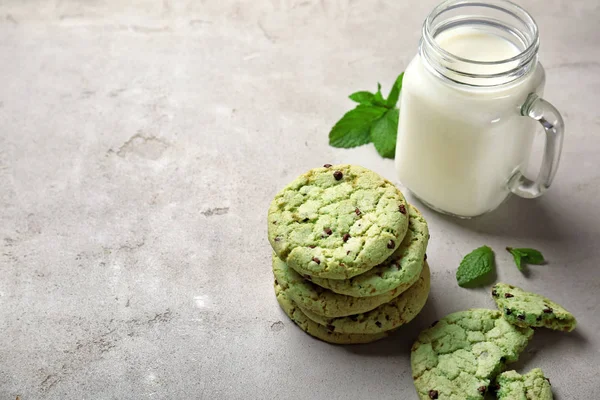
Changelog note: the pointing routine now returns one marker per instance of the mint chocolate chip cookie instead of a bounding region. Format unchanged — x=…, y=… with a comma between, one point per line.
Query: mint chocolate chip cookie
x=457, y=357
x=337, y=221
x=316, y=330
x=531, y=386
x=523, y=308
x=398, y=272
x=312, y=298
x=388, y=316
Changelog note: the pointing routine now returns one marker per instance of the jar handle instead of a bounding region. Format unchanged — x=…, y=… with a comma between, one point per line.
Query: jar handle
x=546, y=114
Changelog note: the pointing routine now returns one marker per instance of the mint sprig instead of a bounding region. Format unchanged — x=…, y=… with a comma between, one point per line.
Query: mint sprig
x=526, y=256
x=475, y=267
x=375, y=119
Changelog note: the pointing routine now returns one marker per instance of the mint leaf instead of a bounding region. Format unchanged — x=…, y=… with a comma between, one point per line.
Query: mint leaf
x=378, y=97
x=353, y=129
x=475, y=266
x=384, y=132
x=363, y=97
x=395, y=92
x=527, y=256
x=517, y=256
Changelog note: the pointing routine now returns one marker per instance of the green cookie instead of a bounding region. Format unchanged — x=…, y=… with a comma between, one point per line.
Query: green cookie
x=316, y=330
x=529, y=309
x=532, y=386
x=311, y=297
x=397, y=312
x=399, y=271
x=337, y=221
x=457, y=357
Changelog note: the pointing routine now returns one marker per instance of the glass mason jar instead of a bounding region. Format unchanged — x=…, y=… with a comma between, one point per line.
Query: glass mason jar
x=469, y=102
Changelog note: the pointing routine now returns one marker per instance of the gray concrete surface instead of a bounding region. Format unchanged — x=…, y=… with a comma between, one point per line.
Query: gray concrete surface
x=140, y=145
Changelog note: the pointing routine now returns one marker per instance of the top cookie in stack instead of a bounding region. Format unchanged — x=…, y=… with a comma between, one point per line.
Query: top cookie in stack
x=347, y=244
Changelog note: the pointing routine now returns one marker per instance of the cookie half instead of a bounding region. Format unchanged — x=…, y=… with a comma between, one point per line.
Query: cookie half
x=316, y=330
x=530, y=309
x=388, y=316
x=531, y=386
x=313, y=298
x=337, y=221
x=458, y=357
x=399, y=271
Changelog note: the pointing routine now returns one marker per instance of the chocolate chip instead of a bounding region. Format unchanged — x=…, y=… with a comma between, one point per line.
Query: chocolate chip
x=348, y=252
x=507, y=311
x=494, y=293
x=331, y=327
x=402, y=209
x=312, y=246
x=548, y=310
x=434, y=323
x=342, y=265
x=328, y=231
x=425, y=257
x=277, y=283
x=277, y=239
x=481, y=389
x=346, y=237
x=305, y=220
x=357, y=211
x=338, y=175
x=315, y=259
x=274, y=222
x=433, y=394
x=327, y=165
x=378, y=324
x=508, y=295
x=521, y=317
x=391, y=244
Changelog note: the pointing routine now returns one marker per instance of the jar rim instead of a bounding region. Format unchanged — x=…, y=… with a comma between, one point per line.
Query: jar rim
x=501, y=5
x=504, y=16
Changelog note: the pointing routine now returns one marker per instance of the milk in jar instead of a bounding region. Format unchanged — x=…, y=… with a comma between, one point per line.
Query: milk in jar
x=459, y=144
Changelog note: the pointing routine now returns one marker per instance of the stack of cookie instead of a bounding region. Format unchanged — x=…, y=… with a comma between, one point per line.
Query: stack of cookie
x=349, y=254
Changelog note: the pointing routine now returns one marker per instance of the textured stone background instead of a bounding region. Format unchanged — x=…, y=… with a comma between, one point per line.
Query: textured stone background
x=140, y=145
